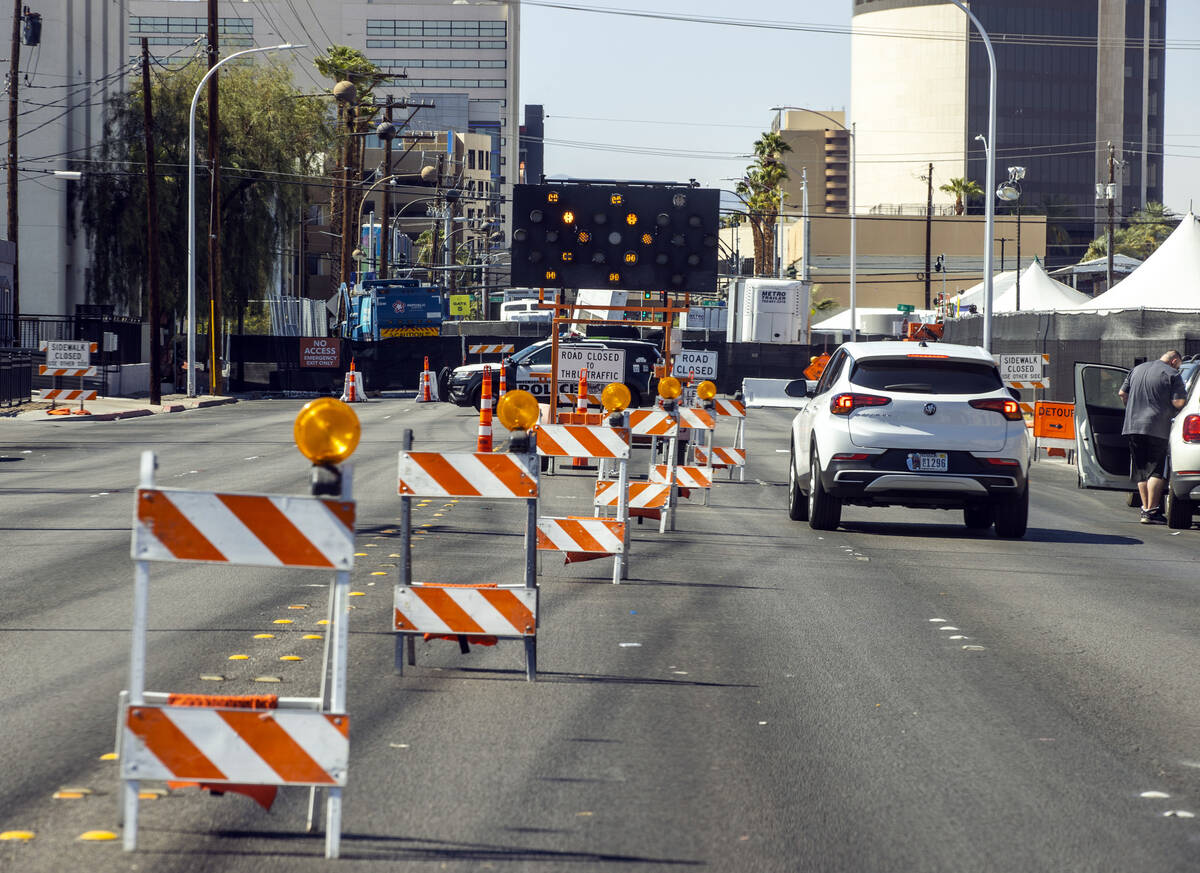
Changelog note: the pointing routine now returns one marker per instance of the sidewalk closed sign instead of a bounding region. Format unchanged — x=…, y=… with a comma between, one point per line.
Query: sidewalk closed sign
x=62, y=354
x=321, y=352
x=602, y=365
x=1020, y=368
x=702, y=365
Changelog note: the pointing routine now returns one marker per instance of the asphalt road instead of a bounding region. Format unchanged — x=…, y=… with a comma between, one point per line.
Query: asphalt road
x=897, y=695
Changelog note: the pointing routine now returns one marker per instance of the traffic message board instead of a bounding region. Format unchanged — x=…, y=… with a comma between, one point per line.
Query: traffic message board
x=320, y=352
x=602, y=365
x=1021, y=368
x=67, y=354
x=701, y=364
x=1054, y=420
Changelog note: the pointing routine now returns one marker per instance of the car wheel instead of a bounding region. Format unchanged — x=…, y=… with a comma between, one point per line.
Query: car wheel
x=1179, y=512
x=978, y=516
x=1012, y=515
x=797, y=500
x=824, y=510
x=477, y=398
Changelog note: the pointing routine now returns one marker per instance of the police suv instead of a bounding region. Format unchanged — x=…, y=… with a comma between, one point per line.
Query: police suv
x=531, y=368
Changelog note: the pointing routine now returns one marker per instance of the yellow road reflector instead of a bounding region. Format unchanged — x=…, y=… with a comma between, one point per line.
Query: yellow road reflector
x=267, y=679
x=312, y=637
x=150, y=795
x=109, y=756
x=17, y=835
x=394, y=555
x=360, y=554
x=427, y=524
x=371, y=546
x=264, y=636
x=69, y=795
x=388, y=530
x=379, y=572
x=239, y=657
x=298, y=606
x=97, y=836
x=290, y=658
x=208, y=677
x=282, y=621
x=360, y=593
x=439, y=514
x=323, y=621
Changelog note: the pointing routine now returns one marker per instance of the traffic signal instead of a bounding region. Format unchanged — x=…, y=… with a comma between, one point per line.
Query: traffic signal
x=628, y=237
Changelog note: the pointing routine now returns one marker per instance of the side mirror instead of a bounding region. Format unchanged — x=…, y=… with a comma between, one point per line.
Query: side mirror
x=797, y=388
x=1016, y=395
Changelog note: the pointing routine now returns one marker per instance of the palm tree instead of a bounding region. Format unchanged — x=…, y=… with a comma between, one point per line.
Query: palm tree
x=961, y=189
x=761, y=191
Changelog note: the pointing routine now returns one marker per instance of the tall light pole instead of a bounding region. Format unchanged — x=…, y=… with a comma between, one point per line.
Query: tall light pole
x=1010, y=192
x=191, y=244
x=853, y=221
x=990, y=176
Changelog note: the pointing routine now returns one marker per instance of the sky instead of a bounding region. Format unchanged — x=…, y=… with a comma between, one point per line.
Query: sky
x=642, y=99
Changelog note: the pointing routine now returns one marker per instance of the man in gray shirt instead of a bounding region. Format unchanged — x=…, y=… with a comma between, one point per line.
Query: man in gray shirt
x=1152, y=392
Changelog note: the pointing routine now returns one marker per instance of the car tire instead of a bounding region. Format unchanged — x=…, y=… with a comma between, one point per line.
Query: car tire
x=1012, y=515
x=797, y=499
x=824, y=510
x=978, y=516
x=1179, y=512
x=477, y=398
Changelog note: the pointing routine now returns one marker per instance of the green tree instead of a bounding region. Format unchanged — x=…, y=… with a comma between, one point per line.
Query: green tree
x=1143, y=235
x=269, y=136
x=963, y=190
x=761, y=191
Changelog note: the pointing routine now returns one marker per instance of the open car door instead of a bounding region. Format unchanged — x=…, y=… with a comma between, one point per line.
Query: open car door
x=1102, y=455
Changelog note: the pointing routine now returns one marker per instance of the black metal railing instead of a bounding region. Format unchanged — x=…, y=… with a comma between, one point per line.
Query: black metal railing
x=16, y=377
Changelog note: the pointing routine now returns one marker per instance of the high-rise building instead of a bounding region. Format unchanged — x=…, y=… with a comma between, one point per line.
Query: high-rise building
x=1073, y=76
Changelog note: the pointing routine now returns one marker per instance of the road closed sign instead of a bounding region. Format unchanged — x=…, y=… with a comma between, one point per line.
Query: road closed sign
x=1021, y=368
x=602, y=365
x=320, y=352
x=699, y=364
x=1053, y=421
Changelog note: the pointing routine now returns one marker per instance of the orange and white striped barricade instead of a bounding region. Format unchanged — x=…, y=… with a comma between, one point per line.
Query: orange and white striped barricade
x=605, y=444
x=67, y=359
x=735, y=409
x=472, y=610
x=645, y=499
x=482, y=349
x=653, y=425
x=684, y=476
x=220, y=742
x=695, y=418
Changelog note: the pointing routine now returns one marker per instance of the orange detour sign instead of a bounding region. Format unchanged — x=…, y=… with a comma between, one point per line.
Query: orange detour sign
x=1053, y=425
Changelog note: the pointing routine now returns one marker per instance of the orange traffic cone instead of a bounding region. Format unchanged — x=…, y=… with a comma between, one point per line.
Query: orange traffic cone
x=352, y=391
x=425, y=395
x=581, y=408
x=484, y=442
x=503, y=379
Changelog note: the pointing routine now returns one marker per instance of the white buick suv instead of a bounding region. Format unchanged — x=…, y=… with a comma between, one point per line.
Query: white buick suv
x=910, y=424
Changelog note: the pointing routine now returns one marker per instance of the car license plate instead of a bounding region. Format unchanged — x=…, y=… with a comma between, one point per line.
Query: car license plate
x=932, y=462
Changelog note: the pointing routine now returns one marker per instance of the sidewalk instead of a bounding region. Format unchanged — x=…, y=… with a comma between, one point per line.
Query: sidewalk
x=111, y=408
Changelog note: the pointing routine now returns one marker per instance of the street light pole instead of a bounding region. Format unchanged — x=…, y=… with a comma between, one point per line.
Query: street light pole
x=191, y=243
x=990, y=183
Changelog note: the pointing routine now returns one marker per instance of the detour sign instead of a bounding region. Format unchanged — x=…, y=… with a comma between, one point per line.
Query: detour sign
x=1054, y=420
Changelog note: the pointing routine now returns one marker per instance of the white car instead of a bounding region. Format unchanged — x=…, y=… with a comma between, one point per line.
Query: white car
x=910, y=424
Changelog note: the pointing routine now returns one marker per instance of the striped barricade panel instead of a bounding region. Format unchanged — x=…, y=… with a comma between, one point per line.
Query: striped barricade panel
x=487, y=610
x=642, y=495
x=573, y=396
x=729, y=407
x=243, y=746
x=582, y=441
x=1035, y=385
x=722, y=456
x=492, y=349
x=696, y=419
x=685, y=477
x=66, y=394
x=589, y=418
x=652, y=422
x=465, y=474
x=43, y=370
x=604, y=536
x=250, y=529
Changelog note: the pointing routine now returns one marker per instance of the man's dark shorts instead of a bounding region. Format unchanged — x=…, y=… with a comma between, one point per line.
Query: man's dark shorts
x=1149, y=456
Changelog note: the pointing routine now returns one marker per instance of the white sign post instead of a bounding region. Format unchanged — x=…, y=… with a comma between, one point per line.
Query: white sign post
x=602, y=365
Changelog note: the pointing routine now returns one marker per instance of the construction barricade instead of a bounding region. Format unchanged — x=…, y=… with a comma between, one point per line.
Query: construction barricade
x=1054, y=429
x=252, y=744
x=721, y=457
x=427, y=385
x=354, y=389
x=483, y=610
x=590, y=537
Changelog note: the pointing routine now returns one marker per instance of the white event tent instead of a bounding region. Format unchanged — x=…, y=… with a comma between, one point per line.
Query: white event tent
x=1168, y=279
x=1039, y=292
x=871, y=320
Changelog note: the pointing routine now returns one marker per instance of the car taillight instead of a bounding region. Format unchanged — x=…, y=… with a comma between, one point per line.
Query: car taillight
x=1003, y=462
x=1191, y=429
x=850, y=456
x=844, y=404
x=1010, y=409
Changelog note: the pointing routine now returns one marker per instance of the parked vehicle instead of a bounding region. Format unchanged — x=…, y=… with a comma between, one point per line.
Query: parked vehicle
x=910, y=424
x=386, y=308
x=530, y=369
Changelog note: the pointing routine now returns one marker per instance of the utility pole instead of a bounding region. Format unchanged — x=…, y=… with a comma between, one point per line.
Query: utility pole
x=214, y=209
x=385, y=227
x=13, y=78
x=1002, y=240
x=151, y=232
x=1112, y=178
x=928, y=233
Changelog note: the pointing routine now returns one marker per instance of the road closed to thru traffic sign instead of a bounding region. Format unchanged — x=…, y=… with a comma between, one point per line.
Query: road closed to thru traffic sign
x=602, y=365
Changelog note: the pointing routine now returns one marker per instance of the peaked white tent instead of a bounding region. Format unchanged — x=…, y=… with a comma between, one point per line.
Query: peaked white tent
x=871, y=320
x=1168, y=279
x=1038, y=292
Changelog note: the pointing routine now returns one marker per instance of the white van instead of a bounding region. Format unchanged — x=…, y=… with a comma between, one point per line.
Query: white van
x=524, y=310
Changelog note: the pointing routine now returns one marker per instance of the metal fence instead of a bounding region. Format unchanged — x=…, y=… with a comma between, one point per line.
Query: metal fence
x=118, y=337
x=16, y=377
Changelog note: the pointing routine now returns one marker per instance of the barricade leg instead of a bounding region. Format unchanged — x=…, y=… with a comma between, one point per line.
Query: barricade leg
x=404, y=570
x=129, y=833
x=531, y=516
x=333, y=822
